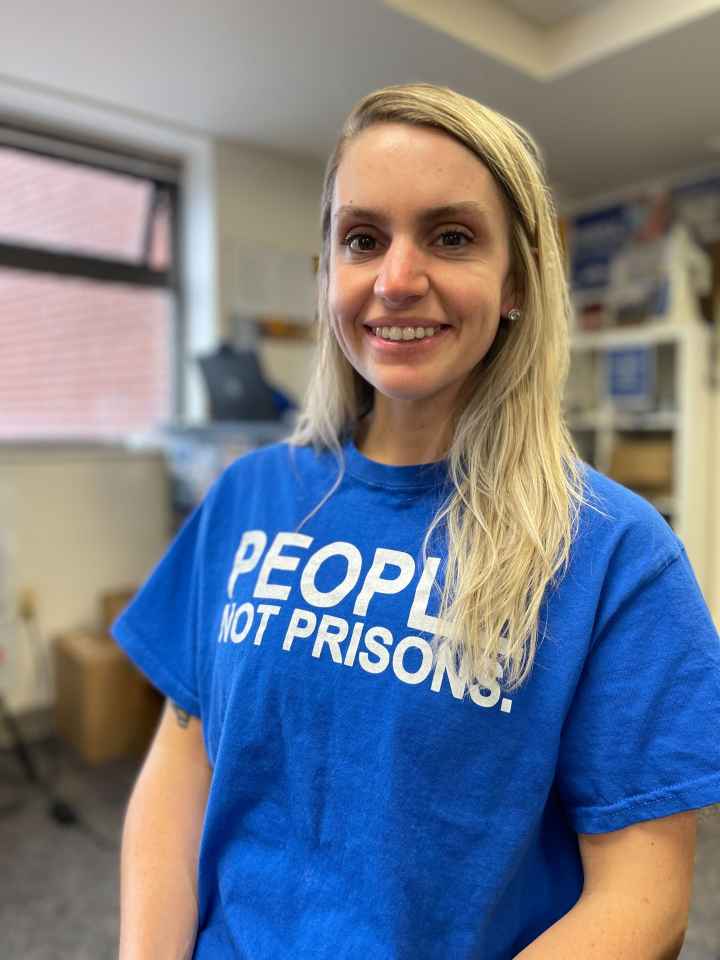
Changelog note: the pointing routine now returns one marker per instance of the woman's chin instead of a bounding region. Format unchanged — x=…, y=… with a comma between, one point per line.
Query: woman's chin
x=403, y=393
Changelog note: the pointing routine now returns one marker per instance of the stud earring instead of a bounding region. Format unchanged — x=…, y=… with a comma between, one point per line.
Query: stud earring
x=514, y=315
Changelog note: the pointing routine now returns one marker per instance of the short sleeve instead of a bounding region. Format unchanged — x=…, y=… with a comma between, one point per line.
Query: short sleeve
x=158, y=630
x=641, y=739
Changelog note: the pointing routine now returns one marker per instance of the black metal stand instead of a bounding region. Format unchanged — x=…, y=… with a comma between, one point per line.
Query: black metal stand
x=18, y=744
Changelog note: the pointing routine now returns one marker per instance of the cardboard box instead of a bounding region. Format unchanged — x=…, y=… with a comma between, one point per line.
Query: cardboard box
x=645, y=465
x=103, y=706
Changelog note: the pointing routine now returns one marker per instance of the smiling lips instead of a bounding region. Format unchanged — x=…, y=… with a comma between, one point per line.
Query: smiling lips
x=401, y=334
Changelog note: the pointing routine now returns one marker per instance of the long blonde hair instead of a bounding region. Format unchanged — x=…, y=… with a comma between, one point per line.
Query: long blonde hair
x=516, y=478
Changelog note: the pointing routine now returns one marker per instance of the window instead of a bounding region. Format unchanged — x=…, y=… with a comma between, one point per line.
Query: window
x=89, y=305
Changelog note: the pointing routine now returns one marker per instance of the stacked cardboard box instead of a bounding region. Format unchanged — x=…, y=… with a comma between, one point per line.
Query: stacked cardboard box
x=645, y=465
x=104, y=707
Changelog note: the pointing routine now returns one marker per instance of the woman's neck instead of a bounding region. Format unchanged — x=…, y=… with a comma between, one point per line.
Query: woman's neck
x=400, y=435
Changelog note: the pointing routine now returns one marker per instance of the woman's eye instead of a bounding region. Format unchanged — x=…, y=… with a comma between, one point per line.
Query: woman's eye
x=366, y=243
x=348, y=242
x=455, y=234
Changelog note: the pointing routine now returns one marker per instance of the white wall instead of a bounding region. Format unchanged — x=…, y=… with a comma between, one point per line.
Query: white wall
x=264, y=200
x=266, y=203
x=75, y=523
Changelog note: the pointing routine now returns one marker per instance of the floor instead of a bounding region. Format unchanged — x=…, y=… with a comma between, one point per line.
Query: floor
x=59, y=883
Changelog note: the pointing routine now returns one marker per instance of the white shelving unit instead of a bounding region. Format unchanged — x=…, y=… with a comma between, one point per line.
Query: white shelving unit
x=681, y=414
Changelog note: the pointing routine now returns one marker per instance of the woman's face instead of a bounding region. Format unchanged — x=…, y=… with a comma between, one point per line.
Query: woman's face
x=405, y=266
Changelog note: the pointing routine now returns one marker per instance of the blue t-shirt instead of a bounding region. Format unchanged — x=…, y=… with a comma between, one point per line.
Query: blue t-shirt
x=363, y=802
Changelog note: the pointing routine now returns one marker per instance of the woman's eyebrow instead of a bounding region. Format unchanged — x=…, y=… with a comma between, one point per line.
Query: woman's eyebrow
x=448, y=211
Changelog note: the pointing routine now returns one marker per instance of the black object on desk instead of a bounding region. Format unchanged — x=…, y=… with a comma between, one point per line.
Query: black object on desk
x=236, y=386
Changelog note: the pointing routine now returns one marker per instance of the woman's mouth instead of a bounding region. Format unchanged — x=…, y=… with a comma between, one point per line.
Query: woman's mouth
x=399, y=336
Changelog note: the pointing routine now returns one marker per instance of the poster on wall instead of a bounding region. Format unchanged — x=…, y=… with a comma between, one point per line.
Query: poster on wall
x=619, y=260
x=697, y=205
x=596, y=238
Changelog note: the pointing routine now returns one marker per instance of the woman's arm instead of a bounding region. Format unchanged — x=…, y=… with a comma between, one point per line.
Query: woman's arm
x=636, y=897
x=161, y=838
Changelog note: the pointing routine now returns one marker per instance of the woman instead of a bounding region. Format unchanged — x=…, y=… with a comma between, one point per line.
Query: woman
x=440, y=690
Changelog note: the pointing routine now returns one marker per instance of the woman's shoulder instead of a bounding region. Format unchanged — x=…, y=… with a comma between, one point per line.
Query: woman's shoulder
x=602, y=491
x=281, y=456
x=621, y=526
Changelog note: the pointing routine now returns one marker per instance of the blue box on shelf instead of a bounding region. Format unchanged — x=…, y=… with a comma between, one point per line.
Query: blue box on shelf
x=631, y=377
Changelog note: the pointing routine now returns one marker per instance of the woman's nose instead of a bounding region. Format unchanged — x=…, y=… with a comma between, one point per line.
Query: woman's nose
x=403, y=274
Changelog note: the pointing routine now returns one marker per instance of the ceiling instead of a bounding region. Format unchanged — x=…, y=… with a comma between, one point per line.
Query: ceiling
x=548, y=13
x=615, y=92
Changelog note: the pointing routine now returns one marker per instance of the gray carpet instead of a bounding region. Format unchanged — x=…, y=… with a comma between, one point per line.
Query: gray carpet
x=59, y=884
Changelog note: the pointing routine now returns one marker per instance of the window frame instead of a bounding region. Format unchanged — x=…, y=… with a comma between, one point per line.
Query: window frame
x=165, y=174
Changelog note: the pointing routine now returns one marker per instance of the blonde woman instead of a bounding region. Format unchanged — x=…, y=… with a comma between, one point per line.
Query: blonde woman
x=436, y=688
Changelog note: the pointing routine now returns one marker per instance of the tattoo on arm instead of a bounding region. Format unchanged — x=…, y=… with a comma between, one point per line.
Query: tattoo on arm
x=183, y=717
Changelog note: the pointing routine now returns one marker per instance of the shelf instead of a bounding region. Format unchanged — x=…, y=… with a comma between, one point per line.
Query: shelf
x=656, y=420
x=645, y=334
x=670, y=376
x=623, y=420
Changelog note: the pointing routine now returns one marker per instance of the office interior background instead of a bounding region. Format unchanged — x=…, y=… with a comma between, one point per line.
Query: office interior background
x=161, y=169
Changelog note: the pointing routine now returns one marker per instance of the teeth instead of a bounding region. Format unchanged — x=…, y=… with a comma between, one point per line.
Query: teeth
x=404, y=333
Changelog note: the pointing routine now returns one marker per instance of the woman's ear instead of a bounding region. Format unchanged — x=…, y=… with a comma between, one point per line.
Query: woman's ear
x=509, y=295
x=512, y=292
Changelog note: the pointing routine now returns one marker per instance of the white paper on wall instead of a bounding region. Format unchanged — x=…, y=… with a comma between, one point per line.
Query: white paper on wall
x=273, y=281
